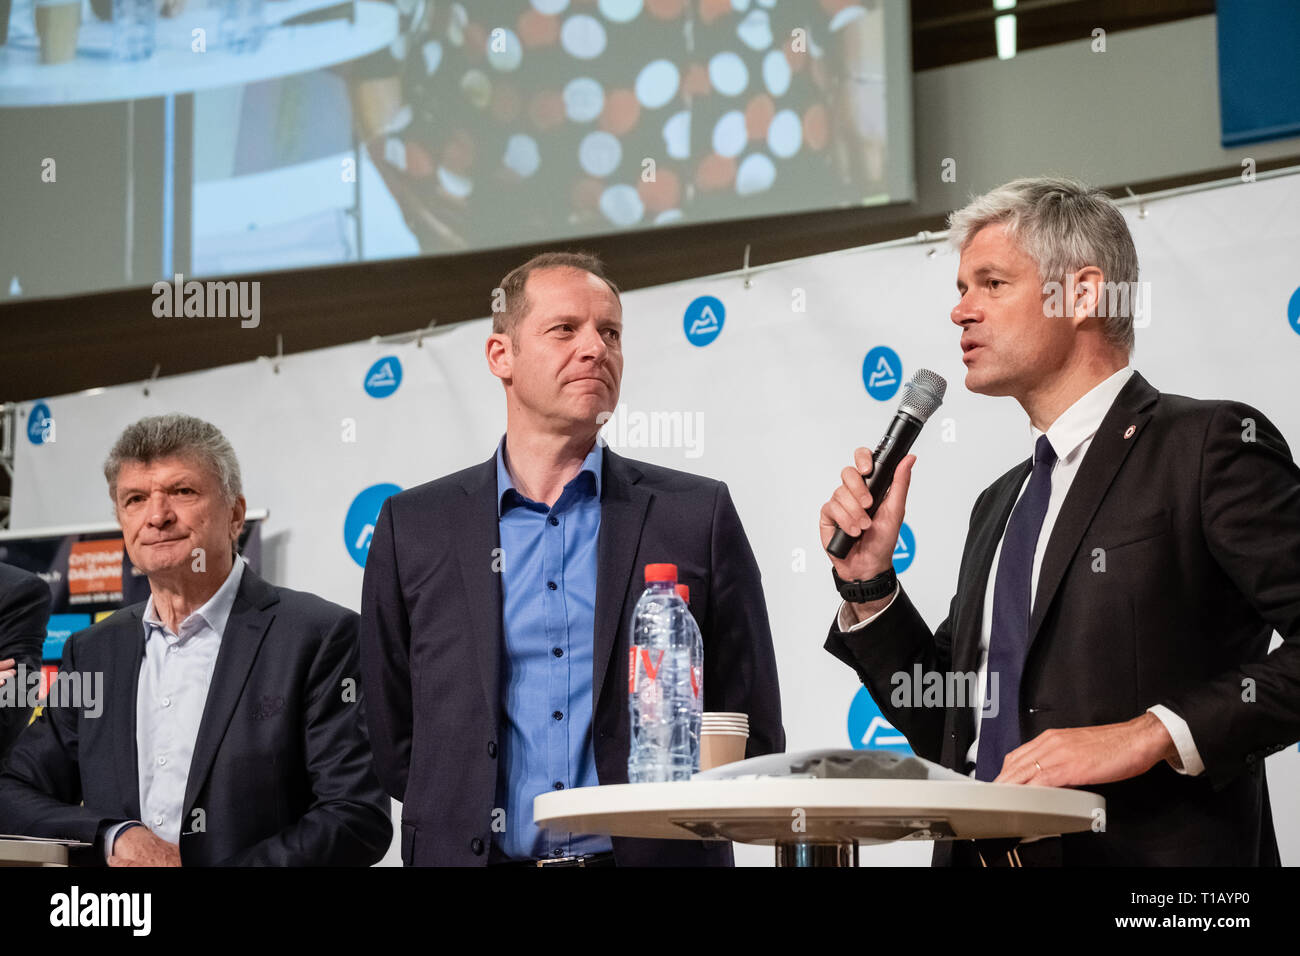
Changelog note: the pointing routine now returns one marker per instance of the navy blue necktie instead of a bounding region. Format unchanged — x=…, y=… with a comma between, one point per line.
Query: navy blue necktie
x=1009, y=639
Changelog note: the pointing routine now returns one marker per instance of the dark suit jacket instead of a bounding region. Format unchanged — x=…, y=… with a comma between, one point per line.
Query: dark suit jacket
x=1200, y=534
x=431, y=643
x=24, y=614
x=281, y=769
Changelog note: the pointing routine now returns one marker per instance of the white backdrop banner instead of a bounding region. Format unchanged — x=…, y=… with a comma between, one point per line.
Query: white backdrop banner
x=768, y=386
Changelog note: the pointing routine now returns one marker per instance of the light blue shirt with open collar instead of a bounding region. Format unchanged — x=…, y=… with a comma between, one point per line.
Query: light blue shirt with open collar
x=175, y=672
x=548, y=617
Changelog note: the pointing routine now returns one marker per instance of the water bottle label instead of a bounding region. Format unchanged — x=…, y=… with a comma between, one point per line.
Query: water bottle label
x=697, y=679
x=651, y=671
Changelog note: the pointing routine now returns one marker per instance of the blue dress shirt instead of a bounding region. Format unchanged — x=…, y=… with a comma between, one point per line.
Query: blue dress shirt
x=548, y=588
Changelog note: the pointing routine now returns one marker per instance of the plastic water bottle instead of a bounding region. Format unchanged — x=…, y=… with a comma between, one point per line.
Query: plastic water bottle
x=697, y=676
x=135, y=24
x=242, y=25
x=659, y=682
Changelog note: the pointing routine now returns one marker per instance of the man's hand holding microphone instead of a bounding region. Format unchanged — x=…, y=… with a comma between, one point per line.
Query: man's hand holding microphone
x=861, y=522
x=872, y=553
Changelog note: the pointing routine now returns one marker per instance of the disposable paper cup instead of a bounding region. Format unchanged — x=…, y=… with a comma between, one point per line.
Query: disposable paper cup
x=57, y=22
x=721, y=748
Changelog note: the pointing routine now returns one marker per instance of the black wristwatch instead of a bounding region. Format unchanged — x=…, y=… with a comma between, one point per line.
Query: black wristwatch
x=860, y=592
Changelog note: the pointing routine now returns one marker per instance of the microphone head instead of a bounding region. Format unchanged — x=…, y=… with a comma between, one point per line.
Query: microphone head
x=923, y=394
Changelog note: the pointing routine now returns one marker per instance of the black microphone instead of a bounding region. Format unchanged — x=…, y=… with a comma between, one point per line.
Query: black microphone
x=921, y=396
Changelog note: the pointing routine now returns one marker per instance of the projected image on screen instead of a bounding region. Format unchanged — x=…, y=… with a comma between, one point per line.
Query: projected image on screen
x=369, y=129
x=622, y=114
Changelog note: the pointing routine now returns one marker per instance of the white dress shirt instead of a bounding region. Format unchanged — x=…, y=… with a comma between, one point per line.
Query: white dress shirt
x=1070, y=436
x=175, y=674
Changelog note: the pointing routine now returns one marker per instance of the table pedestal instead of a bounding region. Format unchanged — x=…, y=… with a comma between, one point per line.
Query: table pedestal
x=816, y=854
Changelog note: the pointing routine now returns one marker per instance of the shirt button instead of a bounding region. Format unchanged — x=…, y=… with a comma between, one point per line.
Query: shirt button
x=552, y=585
x=492, y=748
x=157, y=821
x=559, y=785
x=554, y=520
x=558, y=851
x=557, y=651
x=476, y=846
x=557, y=715
x=162, y=761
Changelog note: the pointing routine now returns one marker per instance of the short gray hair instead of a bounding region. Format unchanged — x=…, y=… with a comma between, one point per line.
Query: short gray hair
x=514, y=284
x=175, y=435
x=1063, y=225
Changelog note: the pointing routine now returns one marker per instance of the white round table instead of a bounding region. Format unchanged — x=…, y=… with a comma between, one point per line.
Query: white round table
x=814, y=821
x=176, y=69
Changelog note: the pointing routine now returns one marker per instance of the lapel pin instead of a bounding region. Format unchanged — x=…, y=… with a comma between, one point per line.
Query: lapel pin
x=1128, y=432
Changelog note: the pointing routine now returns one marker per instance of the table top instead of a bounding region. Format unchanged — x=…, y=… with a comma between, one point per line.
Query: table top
x=32, y=853
x=92, y=77
x=780, y=809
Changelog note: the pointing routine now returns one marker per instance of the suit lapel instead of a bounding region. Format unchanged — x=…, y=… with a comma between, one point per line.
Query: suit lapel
x=124, y=673
x=1110, y=446
x=245, y=629
x=476, y=530
x=623, y=509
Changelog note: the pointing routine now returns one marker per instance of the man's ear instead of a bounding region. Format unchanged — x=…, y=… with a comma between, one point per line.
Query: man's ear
x=237, y=514
x=1086, y=286
x=500, y=354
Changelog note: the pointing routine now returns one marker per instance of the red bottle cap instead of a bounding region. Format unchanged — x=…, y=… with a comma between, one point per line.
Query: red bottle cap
x=660, y=572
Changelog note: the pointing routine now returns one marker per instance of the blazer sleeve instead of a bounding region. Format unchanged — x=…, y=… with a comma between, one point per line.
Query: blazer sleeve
x=349, y=823
x=1250, y=518
x=739, y=660
x=24, y=615
x=894, y=643
x=386, y=659
x=40, y=786
x=897, y=641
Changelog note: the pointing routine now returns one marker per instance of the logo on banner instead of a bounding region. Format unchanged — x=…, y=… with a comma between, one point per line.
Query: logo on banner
x=704, y=319
x=40, y=424
x=882, y=373
x=1293, y=311
x=57, y=631
x=359, y=525
x=384, y=377
x=95, y=571
x=868, y=728
x=905, y=549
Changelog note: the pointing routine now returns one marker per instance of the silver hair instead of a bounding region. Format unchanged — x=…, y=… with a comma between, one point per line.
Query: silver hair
x=1063, y=225
x=167, y=436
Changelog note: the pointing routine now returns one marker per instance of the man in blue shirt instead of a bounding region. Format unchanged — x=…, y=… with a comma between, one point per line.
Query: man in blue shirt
x=497, y=600
x=546, y=671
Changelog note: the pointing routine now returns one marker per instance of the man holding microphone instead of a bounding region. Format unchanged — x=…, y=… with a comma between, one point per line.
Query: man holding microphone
x=1122, y=584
